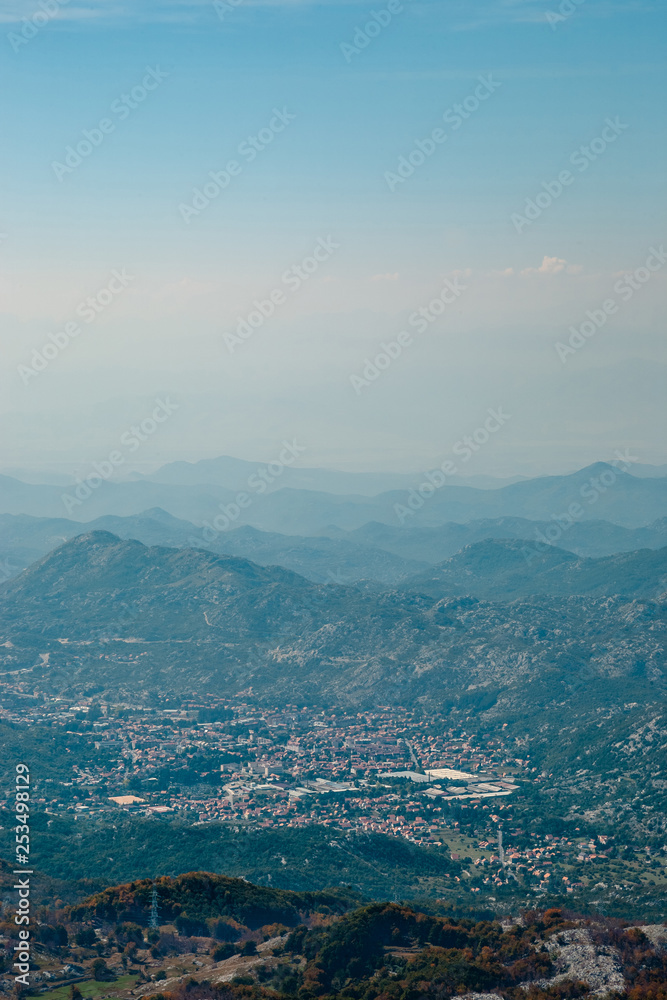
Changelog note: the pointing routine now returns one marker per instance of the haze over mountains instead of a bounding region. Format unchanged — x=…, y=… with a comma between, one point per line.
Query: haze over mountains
x=601, y=492
x=415, y=608
x=387, y=539
x=383, y=553
x=233, y=474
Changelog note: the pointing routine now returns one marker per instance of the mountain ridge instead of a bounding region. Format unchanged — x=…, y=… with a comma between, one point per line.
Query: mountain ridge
x=599, y=492
x=376, y=552
x=140, y=619
x=507, y=569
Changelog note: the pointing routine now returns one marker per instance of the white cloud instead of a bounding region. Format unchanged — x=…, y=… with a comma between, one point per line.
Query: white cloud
x=553, y=265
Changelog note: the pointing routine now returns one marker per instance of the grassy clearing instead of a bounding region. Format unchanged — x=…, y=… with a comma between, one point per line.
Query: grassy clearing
x=93, y=989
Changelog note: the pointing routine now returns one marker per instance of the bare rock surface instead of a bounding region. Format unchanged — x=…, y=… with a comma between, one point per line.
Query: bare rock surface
x=578, y=959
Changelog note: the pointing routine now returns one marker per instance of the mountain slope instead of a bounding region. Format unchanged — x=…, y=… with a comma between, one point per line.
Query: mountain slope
x=343, y=948
x=143, y=622
x=504, y=570
x=207, y=895
x=175, y=592
x=25, y=539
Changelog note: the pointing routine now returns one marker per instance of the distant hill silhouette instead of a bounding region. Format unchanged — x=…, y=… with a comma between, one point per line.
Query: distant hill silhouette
x=600, y=492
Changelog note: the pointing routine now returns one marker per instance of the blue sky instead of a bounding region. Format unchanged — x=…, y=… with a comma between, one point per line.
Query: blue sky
x=324, y=175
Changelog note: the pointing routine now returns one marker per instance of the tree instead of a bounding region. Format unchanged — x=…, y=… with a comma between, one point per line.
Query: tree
x=101, y=971
x=86, y=938
x=129, y=931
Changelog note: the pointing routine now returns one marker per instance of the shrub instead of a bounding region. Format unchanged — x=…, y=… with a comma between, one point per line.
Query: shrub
x=224, y=930
x=223, y=951
x=190, y=926
x=52, y=937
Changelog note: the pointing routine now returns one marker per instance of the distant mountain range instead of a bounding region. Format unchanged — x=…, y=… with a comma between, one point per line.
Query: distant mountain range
x=377, y=552
x=25, y=539
x=234, y=473
x=599, y=492
x=433, y=544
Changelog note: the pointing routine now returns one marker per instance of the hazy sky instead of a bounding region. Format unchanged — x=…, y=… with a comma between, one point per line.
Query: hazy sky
x=114, y=113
